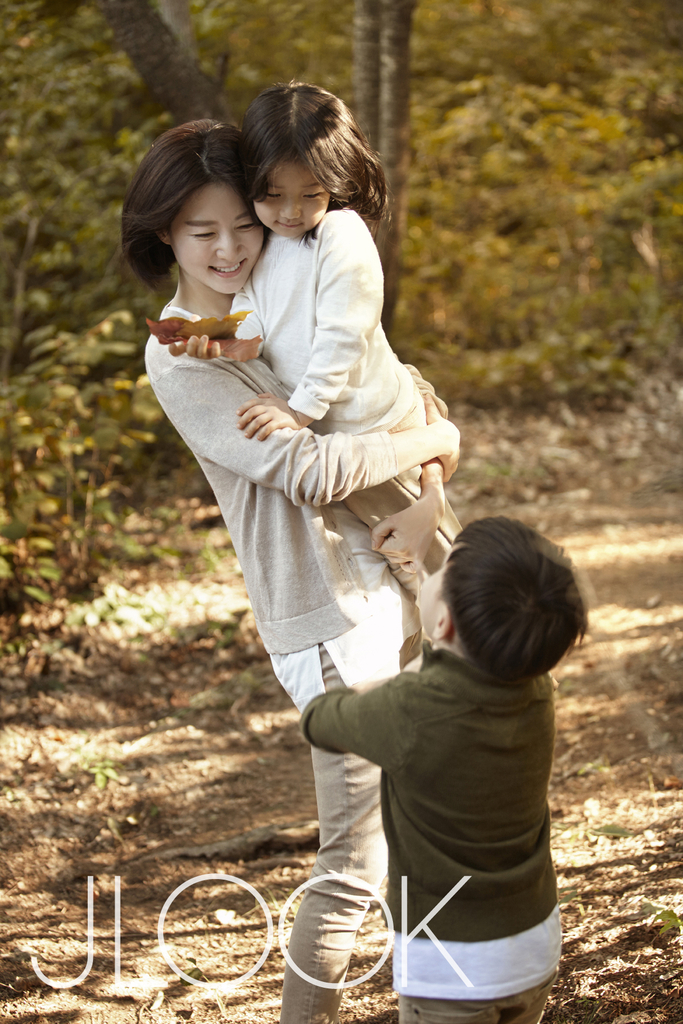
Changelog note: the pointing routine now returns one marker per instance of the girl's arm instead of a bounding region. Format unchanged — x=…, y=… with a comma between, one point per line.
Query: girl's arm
x=348, y=310
x=348, y=307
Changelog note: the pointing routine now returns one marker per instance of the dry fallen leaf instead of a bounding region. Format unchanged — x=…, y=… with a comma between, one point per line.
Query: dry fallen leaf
x=175, y=328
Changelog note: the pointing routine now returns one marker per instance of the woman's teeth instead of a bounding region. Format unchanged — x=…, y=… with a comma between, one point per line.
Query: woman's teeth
x=228, y=270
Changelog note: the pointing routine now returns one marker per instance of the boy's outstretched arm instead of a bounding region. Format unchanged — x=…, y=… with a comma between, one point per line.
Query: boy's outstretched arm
x=371, y=724
x=405, y=538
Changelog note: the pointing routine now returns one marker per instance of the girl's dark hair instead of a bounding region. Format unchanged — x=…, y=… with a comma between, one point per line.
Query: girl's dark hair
x=300, y=123
x=513, y=598
x=179, y=163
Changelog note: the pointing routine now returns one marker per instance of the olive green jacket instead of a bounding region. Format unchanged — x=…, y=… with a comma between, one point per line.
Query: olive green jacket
x=466, y=761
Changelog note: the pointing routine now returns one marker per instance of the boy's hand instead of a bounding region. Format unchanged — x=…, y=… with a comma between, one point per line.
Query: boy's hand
x=404, y=538
x=260, y=416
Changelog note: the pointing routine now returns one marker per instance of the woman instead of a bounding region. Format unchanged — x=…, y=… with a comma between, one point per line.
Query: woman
x=328, y=609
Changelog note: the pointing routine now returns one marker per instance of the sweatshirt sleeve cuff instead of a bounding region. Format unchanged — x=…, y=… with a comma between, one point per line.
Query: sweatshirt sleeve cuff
x=381, y=456
x=302, y=401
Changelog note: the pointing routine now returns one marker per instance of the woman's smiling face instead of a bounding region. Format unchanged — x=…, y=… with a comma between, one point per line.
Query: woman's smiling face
x=216, y=241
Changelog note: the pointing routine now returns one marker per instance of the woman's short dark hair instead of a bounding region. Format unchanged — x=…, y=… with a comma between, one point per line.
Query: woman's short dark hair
x=179, y=163
x=513, y=597
x=300, y=123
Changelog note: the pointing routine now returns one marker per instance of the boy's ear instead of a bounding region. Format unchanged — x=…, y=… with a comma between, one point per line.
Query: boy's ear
x=444, y=627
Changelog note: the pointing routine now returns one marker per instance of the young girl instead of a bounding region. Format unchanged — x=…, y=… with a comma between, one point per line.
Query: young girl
x=329, y=612
x=315, y=295
x=317, y=290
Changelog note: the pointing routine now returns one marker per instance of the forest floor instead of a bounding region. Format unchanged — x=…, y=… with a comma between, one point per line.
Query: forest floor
x=144, y=731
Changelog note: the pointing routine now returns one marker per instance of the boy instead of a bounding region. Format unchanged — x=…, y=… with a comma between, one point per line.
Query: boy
x=465, y=747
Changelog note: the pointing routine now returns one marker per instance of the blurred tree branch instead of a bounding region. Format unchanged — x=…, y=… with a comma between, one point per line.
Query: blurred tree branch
x=165, y=62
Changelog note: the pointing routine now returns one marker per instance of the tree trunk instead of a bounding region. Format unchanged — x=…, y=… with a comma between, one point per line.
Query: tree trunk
x=171, y=74
x=366, y=65
x=176, y=14
x=382, y=96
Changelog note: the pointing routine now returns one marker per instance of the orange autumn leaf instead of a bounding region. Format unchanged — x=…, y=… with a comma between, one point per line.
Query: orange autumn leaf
x=177, y=329
x=216, y=329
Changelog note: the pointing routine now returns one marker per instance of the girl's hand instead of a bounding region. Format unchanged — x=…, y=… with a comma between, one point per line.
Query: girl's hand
x=451, y=445
x=404, y=538
x=262, y=415
x=431, y=412
x=448, y=461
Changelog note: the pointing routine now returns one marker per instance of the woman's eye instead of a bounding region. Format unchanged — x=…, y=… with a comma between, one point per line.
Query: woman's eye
x=207, y=234
x=313, y=195
x=273, y=195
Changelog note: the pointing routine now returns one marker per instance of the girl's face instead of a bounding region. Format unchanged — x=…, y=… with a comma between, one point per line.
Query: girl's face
x=216, y=242
x=295, y=203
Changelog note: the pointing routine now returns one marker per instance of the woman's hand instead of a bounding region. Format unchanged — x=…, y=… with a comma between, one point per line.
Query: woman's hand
x=239, y=349
x=405, y=537
x=262, y=415
x=200, y=348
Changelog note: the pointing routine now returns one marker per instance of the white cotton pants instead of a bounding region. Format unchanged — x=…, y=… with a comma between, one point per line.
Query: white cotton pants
x=331, y=912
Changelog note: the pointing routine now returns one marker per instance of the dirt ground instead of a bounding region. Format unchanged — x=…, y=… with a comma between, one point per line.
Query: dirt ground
x=143, y=731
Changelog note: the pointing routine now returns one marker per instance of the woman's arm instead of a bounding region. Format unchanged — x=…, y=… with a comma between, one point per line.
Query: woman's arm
x=201, y=399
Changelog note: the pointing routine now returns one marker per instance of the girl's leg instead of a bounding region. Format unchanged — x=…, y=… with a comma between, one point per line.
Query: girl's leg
x=352, y=843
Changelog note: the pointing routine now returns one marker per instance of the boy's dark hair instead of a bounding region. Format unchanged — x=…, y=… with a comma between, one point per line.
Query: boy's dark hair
x=180, y=162
x=300, y=123
x=513, y=598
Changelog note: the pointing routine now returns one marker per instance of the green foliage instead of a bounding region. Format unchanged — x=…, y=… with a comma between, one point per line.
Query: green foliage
x=574, y=831
x=193, y=972
x=103, y=771
x=570, y=894
x=75, y=123
x=270, y=41
x=137, y=612
x=73, y=401
x=66, y=442
x=543, y=248
x=669, y=918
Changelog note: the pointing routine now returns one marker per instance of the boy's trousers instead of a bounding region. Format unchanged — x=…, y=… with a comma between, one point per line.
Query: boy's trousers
x=331, y=912
x=523, y=1008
